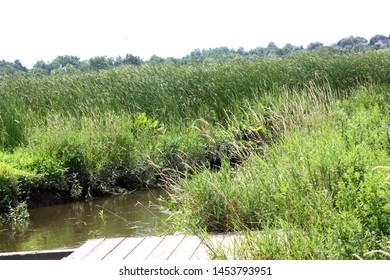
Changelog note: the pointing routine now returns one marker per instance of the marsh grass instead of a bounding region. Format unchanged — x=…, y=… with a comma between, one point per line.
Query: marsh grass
x=279, y=145
x=313, y=194
x=177, y=94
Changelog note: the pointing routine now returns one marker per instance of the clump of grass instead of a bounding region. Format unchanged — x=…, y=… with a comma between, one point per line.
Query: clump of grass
x=313, y=192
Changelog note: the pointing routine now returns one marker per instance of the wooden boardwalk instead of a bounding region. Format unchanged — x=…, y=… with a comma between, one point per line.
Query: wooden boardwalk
x=169, y=247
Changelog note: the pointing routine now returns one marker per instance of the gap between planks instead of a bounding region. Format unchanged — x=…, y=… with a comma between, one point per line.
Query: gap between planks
x=169, y=247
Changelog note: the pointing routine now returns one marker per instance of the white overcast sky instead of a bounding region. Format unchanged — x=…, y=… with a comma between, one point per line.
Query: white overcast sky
x=31, y=30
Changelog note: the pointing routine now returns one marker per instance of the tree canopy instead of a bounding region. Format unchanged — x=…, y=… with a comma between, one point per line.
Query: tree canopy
x=351, y=41
x=8, y=68
x=315, y=45
x=376, y=38
x=67, y=64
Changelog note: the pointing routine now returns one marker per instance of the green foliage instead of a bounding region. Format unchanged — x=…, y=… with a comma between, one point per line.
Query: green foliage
x=351, y=41
x=12, y=183
x=8, y=180
x=315, y=186
x=99, y=63
x=285, y=145
x=65, y=60
x=19, y=215
x=376, y=38
x=70, y=64
x=128, y=59
x=9, y=68
x=315, y=45
x=171, y=93
x=102, y=216
x=97, y=156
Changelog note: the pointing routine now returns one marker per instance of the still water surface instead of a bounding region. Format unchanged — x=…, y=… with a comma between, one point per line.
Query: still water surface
x=69, y=225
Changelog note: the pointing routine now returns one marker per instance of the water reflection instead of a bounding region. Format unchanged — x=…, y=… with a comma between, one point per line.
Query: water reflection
x=69, y=225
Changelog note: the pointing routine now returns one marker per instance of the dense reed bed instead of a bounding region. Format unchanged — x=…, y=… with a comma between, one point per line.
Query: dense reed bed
x=176, y=94
x=288, y=147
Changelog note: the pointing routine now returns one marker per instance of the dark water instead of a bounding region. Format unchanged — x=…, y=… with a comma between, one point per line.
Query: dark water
x=69, y=225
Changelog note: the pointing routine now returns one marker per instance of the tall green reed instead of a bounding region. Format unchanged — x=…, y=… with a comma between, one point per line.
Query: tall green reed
x=178, y=94
x=313, y=191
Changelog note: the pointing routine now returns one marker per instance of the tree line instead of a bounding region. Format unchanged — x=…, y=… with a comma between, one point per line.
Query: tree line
x=66, y=64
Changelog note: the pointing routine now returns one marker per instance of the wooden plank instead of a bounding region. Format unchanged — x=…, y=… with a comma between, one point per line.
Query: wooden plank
x=202, y=252
x=216, y=239
x=172, y=247
x=121, y=251
x=186, y=248
x=229, y=243
x=143, y=250
x=166, y=247
x=37, y=255
x=85, y=249
x=234, y=242
x=103, y=249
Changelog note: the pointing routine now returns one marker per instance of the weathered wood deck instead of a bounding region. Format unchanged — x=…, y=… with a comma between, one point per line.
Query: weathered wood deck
x=169, y=247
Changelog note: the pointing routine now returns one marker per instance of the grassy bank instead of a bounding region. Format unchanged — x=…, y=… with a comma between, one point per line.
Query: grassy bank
x=281, y=145
x=319, y=192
